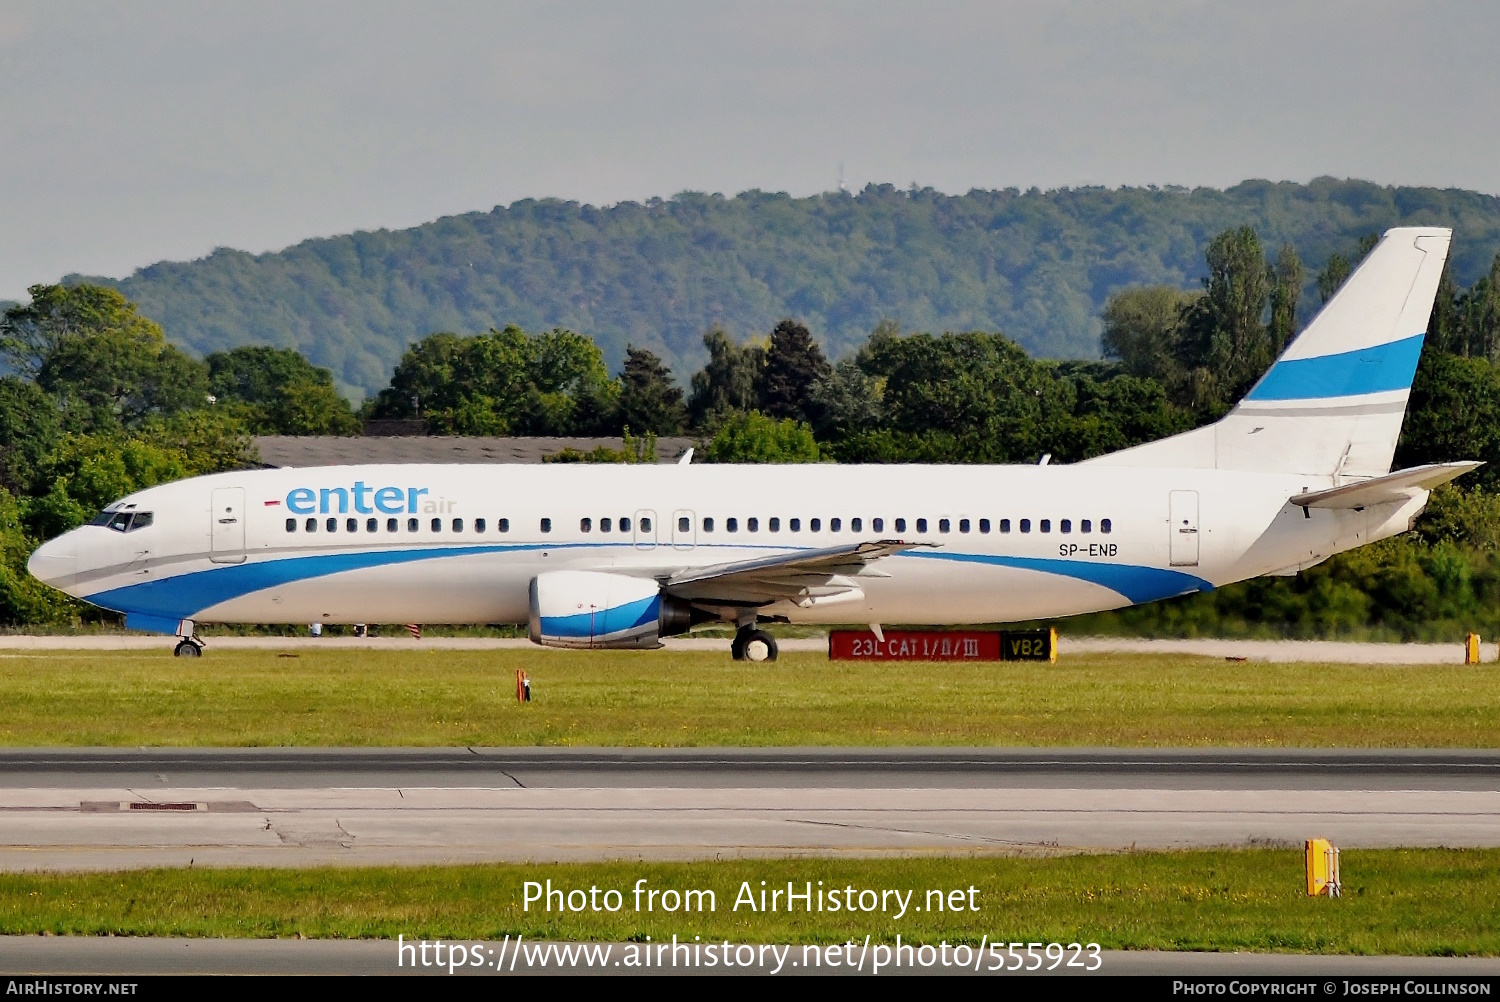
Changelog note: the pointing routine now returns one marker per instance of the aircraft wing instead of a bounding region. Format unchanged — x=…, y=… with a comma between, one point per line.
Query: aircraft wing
x=1398, y=486
x=806, y=577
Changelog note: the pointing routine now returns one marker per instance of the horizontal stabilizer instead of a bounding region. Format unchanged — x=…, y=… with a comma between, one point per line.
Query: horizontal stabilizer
x=1393, y=487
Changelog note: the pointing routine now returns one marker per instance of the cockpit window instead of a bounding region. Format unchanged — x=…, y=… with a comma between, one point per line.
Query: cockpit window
x=123, y=521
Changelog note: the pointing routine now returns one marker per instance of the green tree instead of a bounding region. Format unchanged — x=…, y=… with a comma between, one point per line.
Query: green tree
x=793, y=365
x=757, y=438
x=285, y=393
x=29, y=428
x=504, y=382
x=115, y=378
x=25, y=601
x=648, y=398
x=1142, y=330
x=726, y=385
x=1226, y=347
x=209, y=440
x=31, y=333
x=1286, y=289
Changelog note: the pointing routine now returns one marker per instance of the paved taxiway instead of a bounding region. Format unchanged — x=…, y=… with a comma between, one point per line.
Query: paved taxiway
x=108, y=808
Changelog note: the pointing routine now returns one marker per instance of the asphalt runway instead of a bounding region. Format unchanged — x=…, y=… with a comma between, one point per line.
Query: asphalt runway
x=121, y=808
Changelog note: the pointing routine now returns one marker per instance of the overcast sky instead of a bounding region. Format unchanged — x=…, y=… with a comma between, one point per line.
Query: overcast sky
x=130, y=133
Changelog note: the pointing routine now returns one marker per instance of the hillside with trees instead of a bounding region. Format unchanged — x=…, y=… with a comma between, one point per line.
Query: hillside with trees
x=1037, y=266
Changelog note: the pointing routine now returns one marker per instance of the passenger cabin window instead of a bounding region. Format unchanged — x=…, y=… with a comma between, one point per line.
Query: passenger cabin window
x=392, y=524
x=291, y=525
x=834, y=524
x=944, y=525
x=984, y=525
x=878, y=524
x=1066, y=525
x=411, y=525
x=585, y=525
x=921, y=525
x=311, y=525
x=856, y=525
x=437, y=525
x=458, y=525
x=503, y=524
x=1025, y=525
x=752, y=524
x=774, y=525
x=332, y=525
x=604, y=525
x=372, y=525
x=547, y=524
x=795, y=524
x=351, y=525
x=1005, y=525
x=479, y=525
x=900, y=525
x=1104, y=525
x=683, y=525
x=815, y=524
x=1046, y=525
x=963, y=525
x=624, y=525
x=1085, y=526
x=645, y=524
x=708, y=524
x=731, y=525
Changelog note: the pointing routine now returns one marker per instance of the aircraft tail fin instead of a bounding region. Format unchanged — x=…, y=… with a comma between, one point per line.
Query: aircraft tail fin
x=1333, y=403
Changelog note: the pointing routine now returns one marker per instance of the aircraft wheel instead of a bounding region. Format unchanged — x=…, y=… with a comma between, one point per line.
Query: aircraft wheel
x=187, y=649
x=737, y=646
x=760, y=646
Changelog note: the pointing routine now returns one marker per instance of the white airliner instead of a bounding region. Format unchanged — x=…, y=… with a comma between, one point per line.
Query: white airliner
x=620, y=556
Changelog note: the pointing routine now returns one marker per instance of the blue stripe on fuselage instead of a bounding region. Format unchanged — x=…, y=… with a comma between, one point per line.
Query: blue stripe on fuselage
x=1376, y=369
x=184, y=595
x=1138, y=584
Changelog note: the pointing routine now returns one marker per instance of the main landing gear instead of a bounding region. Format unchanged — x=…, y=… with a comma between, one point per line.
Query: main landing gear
x=753, y=644
x=188, y=645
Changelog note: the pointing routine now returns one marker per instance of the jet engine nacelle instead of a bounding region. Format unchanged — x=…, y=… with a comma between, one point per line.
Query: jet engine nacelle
x=598, y=609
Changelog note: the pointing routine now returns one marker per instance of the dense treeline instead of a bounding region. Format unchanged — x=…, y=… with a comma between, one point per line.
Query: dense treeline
x=1036, y=265
x=98, y=404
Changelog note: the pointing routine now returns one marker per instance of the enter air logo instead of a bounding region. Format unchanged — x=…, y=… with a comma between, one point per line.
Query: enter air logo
x=360, y=498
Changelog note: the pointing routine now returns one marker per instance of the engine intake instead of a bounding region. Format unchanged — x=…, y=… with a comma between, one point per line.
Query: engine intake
x=594, y=609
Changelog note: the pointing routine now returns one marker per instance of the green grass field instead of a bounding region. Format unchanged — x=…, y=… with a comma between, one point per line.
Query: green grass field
x=1430, y=901
x=349, y=697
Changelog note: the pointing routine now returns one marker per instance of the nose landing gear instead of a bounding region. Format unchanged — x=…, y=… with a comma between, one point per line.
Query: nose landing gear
x=188, y=644
x=752, y=644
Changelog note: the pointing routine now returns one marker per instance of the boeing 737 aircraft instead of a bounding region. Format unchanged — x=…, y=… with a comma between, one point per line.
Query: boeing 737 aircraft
x=620, y=556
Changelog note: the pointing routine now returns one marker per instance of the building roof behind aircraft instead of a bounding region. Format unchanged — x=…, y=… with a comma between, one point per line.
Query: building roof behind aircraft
x=333, y=450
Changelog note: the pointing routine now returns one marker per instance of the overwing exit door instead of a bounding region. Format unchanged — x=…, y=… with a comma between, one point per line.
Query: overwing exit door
x=1183, y=527
x=227, y=526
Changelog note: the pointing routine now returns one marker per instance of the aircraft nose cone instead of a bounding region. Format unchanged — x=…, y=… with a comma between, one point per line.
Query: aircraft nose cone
x=55, y=560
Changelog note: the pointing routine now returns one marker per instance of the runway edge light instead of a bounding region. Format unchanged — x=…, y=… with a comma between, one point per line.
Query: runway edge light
x=1322, y=869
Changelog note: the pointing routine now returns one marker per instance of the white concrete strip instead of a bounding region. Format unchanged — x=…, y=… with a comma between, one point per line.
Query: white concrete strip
x=96, y=828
